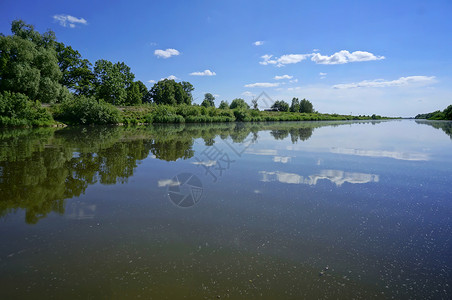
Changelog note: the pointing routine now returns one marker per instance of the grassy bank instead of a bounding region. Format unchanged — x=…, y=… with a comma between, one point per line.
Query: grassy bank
x=17, y=110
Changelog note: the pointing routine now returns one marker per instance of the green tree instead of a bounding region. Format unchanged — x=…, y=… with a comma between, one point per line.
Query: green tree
x=112, y=81
x=306, y=106
x=448, y=112
x=295, y=106
x=188, y=88
x=134, y=95
x=29, y=65
x=209, y=100
x=280, y=106
x=255, y=104
x=239, y=103
x=77, y=73
x=223, y=105
x=169, y=92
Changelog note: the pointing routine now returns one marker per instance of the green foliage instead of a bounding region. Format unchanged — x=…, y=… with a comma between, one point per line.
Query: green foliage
x=446, y=114
x=241, y=114
x=77, y=74
x=306, y=106
x=170, y=92
x=112, y=81
x=209, y=100
x=29, y=65
x=295, y=106
x=280, y=106
x=223, y=105
x=87, y=110
x=239, y=103
x=17, y=110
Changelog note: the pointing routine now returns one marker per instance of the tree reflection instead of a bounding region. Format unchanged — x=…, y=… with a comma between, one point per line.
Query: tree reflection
x=445, y=126
x=40, y=168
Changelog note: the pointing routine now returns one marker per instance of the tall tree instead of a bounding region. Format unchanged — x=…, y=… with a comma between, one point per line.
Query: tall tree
x=306, y=106
x=209, y=100
x=280, y=106
x=77, y=73
x=169, y=92
x=223, y=104
x=29, y=65
x=295, y=106
x=239, y=103
x=112, y=81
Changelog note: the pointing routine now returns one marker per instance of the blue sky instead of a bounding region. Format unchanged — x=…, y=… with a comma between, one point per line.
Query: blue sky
x=362, y=57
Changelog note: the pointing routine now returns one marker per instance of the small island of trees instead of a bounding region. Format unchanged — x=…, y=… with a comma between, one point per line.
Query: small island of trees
x=44, y=82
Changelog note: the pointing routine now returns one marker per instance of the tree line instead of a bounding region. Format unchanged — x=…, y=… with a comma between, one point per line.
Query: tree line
x=35, y=68
x=446, y=114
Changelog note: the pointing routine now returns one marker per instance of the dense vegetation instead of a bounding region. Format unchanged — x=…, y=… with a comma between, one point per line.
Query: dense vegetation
x=35, y=68
x=446, y=114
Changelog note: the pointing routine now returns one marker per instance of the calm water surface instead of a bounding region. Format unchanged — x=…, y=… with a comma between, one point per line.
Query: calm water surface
x=241, y=211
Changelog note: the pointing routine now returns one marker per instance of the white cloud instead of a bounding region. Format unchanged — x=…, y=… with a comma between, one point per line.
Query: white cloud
x=315, y=50
x=262, y=84
x=248, y=94
x=258, y=43
x=171, y=77
x=151, y=81
x=67, y=20
x=343, y=57
x=283, y=77
x=203, y=73
x=283, y=60
x=402, y=81
x=322, y=74
x=293, y=81
x=166, y=53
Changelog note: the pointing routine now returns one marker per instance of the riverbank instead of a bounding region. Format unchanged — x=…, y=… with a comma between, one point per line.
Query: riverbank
x=87, y=113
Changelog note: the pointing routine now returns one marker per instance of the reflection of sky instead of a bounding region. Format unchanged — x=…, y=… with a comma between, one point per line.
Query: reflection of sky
x=167, y=182
x=282, y=159
x=336, y=176
x=382, y=153
x=80, y=211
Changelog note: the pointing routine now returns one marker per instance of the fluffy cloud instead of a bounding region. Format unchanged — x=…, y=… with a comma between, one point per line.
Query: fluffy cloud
x=203, y=73
x=171, y=77
x=341, y=57
x=166, y=53
x=67, y=20
x=283, y=77
x=151, y=81
x=322, y=74
x=258, y=43
x=262, y=84
x=283, y=60
x=402, y=81
x=248, y=94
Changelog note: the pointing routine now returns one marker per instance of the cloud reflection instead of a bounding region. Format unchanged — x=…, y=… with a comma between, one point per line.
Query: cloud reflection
x=282, y=159
x=382, y=153
x=167, y=182
x=336, y=176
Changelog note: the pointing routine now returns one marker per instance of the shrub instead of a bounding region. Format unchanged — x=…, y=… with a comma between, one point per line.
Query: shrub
x=87, y=110
x=18, y=110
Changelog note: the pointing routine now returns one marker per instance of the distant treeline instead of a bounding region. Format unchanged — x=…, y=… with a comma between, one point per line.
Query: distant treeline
x=446, y=114
x=35, y=68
